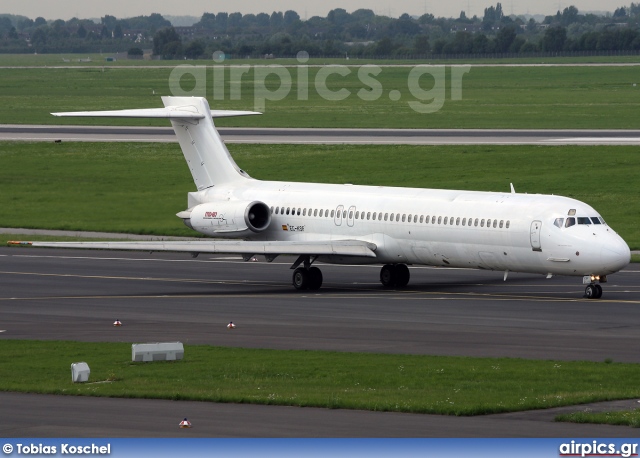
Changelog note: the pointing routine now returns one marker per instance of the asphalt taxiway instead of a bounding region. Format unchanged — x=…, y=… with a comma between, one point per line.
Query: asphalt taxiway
x=74, y=294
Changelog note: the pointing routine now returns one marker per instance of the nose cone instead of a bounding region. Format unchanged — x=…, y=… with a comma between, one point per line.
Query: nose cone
x=615, y=254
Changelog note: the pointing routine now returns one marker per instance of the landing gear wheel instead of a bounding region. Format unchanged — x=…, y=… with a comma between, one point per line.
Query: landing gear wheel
x=388, y=275
x=301, y=278
x=593, y=291
x=315, y=278
x=598, y=291
x=402, y=275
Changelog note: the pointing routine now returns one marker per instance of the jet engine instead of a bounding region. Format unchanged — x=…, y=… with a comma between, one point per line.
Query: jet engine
x=228, y=218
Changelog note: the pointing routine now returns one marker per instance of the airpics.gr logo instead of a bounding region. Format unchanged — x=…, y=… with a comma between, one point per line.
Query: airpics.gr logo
x=596, y=448
x=425, y=83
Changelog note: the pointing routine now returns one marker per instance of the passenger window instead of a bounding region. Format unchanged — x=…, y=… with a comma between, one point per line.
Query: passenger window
x=298, y=212
x=344, y=214
x=398, y=217
x=488, y=223
x=446, y=218
x=570, y=222
x=304, y=212
x=332, y=213
x=508, y=223
x=482, y=223
x=457, y=221
x=501, y=223
x=439, y=219
x=358, y=215
x=408, y=218
x=351, y=214
x=558, y=222
x=595, y=220
x=433, y=220
x=422, y=219
x=464, y=221
x=476, y=223
x=288, y=210
x=391, y=217
x=415, y=218
x=495, y=223
x=386, y=216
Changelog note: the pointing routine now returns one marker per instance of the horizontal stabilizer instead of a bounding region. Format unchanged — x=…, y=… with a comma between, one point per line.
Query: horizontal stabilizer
x=319, y=248
x=187, y=112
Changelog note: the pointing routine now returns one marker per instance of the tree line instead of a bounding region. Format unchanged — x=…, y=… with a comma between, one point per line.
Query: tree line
x=361, y=33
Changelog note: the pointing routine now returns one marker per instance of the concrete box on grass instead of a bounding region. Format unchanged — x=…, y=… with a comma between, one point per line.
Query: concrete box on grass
x=161, y=351
x=80, y=372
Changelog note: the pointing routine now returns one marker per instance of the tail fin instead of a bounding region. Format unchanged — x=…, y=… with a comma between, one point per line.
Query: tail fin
x=206, y=154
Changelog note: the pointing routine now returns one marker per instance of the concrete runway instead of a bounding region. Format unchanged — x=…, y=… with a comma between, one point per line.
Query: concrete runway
x=69, y=294
x=329, y=136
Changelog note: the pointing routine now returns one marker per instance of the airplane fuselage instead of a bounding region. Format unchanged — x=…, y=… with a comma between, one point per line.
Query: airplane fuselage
x=486, y=230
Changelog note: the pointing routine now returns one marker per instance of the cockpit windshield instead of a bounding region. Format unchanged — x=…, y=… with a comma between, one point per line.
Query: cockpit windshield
x=572, y=221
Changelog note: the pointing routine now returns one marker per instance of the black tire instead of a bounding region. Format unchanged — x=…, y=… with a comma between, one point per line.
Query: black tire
x=300, y=278
x=598, y=291
x=402, y=275
x=388, y=276
x=590, y=292
x=315, y=278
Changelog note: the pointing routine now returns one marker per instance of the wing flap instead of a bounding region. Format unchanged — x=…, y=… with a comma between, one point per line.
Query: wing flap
x=319, y=248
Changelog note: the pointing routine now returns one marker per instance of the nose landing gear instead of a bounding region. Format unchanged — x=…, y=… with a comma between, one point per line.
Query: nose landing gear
x=593, y=291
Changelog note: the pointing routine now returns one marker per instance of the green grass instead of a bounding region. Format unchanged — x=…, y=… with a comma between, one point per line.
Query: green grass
x=621, y=418
x=403, y=383
x=635, y=258
x=504, y=97
x=115, y=187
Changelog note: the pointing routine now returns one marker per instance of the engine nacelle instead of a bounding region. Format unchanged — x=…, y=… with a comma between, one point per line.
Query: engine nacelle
x=228, y=218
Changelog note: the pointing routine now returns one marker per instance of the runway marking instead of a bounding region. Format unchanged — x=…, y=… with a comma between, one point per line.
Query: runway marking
x=267, y=283
x=404, y=296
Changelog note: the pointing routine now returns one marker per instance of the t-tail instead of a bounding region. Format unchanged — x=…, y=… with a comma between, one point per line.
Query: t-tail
x=205, y=152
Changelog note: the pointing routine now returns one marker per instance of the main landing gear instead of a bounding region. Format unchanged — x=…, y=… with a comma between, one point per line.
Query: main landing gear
x=310, y=278
x=305, y=276
x=394, y=275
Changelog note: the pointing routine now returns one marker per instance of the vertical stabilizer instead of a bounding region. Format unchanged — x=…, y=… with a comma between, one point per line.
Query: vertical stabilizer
x=206, y=154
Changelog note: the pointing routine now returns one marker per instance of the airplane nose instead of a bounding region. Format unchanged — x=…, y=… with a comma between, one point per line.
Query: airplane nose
x=615, y=255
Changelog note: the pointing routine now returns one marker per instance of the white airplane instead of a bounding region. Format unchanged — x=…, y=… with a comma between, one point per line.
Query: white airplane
x=346, y=224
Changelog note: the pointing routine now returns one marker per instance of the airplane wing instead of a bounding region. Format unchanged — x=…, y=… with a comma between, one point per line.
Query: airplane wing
x=314, y=248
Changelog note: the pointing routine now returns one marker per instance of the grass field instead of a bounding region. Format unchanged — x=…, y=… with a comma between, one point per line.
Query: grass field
x=114, y=187
x=621, y=418
x=402, y=383
x=505, y=97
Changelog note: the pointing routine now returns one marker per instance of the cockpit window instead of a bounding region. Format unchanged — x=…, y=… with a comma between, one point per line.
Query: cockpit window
x=583, y=220
x=558, y=222
x=595, y=220
x=570, y=222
